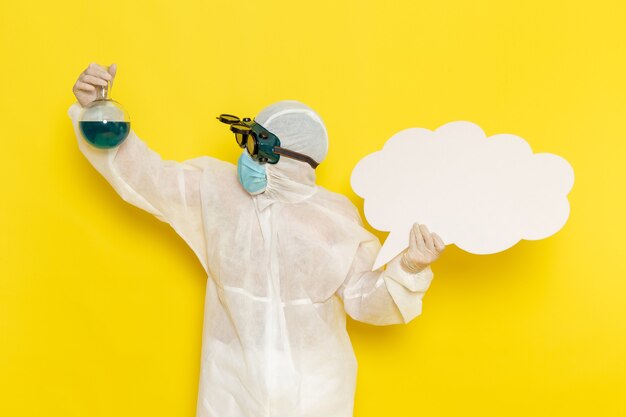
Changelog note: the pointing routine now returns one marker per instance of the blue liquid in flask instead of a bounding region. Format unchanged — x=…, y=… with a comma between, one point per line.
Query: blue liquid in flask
x=104, y=134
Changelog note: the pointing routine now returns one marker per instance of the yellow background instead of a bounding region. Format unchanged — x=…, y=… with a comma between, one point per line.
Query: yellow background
x=101, y=304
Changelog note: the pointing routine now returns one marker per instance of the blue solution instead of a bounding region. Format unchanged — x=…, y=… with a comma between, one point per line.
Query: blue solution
x=104, y=134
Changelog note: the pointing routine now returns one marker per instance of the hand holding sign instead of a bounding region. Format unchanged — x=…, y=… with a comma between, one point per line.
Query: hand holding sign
x=424, y=249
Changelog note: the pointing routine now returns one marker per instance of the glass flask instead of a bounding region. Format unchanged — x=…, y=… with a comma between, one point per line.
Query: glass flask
x=104, y=123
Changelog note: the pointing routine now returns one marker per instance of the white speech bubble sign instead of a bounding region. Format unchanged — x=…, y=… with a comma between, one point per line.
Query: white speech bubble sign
x=483, y=194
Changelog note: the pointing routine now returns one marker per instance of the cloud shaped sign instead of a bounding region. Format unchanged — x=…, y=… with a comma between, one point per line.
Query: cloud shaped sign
x=483, y=194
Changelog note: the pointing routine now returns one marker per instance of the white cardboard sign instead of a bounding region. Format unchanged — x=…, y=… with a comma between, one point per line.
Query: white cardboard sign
x=483, y=194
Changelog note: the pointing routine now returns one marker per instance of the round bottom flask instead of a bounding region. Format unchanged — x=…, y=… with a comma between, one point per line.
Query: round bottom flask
x=104, y=123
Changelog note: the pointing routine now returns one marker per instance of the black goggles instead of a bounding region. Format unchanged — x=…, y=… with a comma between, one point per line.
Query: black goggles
x=261, y=144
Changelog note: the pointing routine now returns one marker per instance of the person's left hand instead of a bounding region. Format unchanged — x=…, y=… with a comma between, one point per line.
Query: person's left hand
x=424, y=248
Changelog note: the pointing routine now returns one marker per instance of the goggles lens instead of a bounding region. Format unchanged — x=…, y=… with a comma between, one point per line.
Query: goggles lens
x=252, y=146
x=228, y=118
x=241, y=132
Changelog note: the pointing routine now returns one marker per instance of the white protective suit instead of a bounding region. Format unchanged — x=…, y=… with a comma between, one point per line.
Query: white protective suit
x=283, y=268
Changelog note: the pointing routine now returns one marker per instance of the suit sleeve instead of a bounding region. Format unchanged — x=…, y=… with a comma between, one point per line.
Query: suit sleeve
x=385, y=296
x=169, y=190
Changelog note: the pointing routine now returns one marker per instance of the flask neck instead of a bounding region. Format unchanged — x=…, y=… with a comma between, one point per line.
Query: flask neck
x=103, y=92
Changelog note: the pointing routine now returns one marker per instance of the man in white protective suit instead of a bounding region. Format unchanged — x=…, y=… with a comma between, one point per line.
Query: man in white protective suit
x=285, y=258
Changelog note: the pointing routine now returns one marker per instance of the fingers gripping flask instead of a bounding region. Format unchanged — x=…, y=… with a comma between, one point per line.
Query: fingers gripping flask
x=104, y=123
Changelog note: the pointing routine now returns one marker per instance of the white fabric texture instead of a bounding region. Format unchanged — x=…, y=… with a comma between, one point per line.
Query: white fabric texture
x=284, y=267
x=298, y=127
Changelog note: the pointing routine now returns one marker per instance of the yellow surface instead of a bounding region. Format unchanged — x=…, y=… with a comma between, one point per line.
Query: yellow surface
x=101, y=304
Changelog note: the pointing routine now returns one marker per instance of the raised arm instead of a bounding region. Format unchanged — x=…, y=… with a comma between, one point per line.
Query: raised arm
x=392, y=295
x=169, y=190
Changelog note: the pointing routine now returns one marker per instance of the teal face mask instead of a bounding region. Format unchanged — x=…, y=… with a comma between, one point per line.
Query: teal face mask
x=251, y=174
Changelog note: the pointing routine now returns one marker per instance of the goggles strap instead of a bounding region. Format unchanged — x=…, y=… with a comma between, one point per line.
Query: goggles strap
x=296, y=155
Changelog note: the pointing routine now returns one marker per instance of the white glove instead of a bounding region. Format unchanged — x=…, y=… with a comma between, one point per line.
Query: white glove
x=424, y=248
x=85, y=87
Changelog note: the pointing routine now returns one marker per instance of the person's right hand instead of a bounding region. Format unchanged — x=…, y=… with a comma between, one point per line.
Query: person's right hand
x=94, y=75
